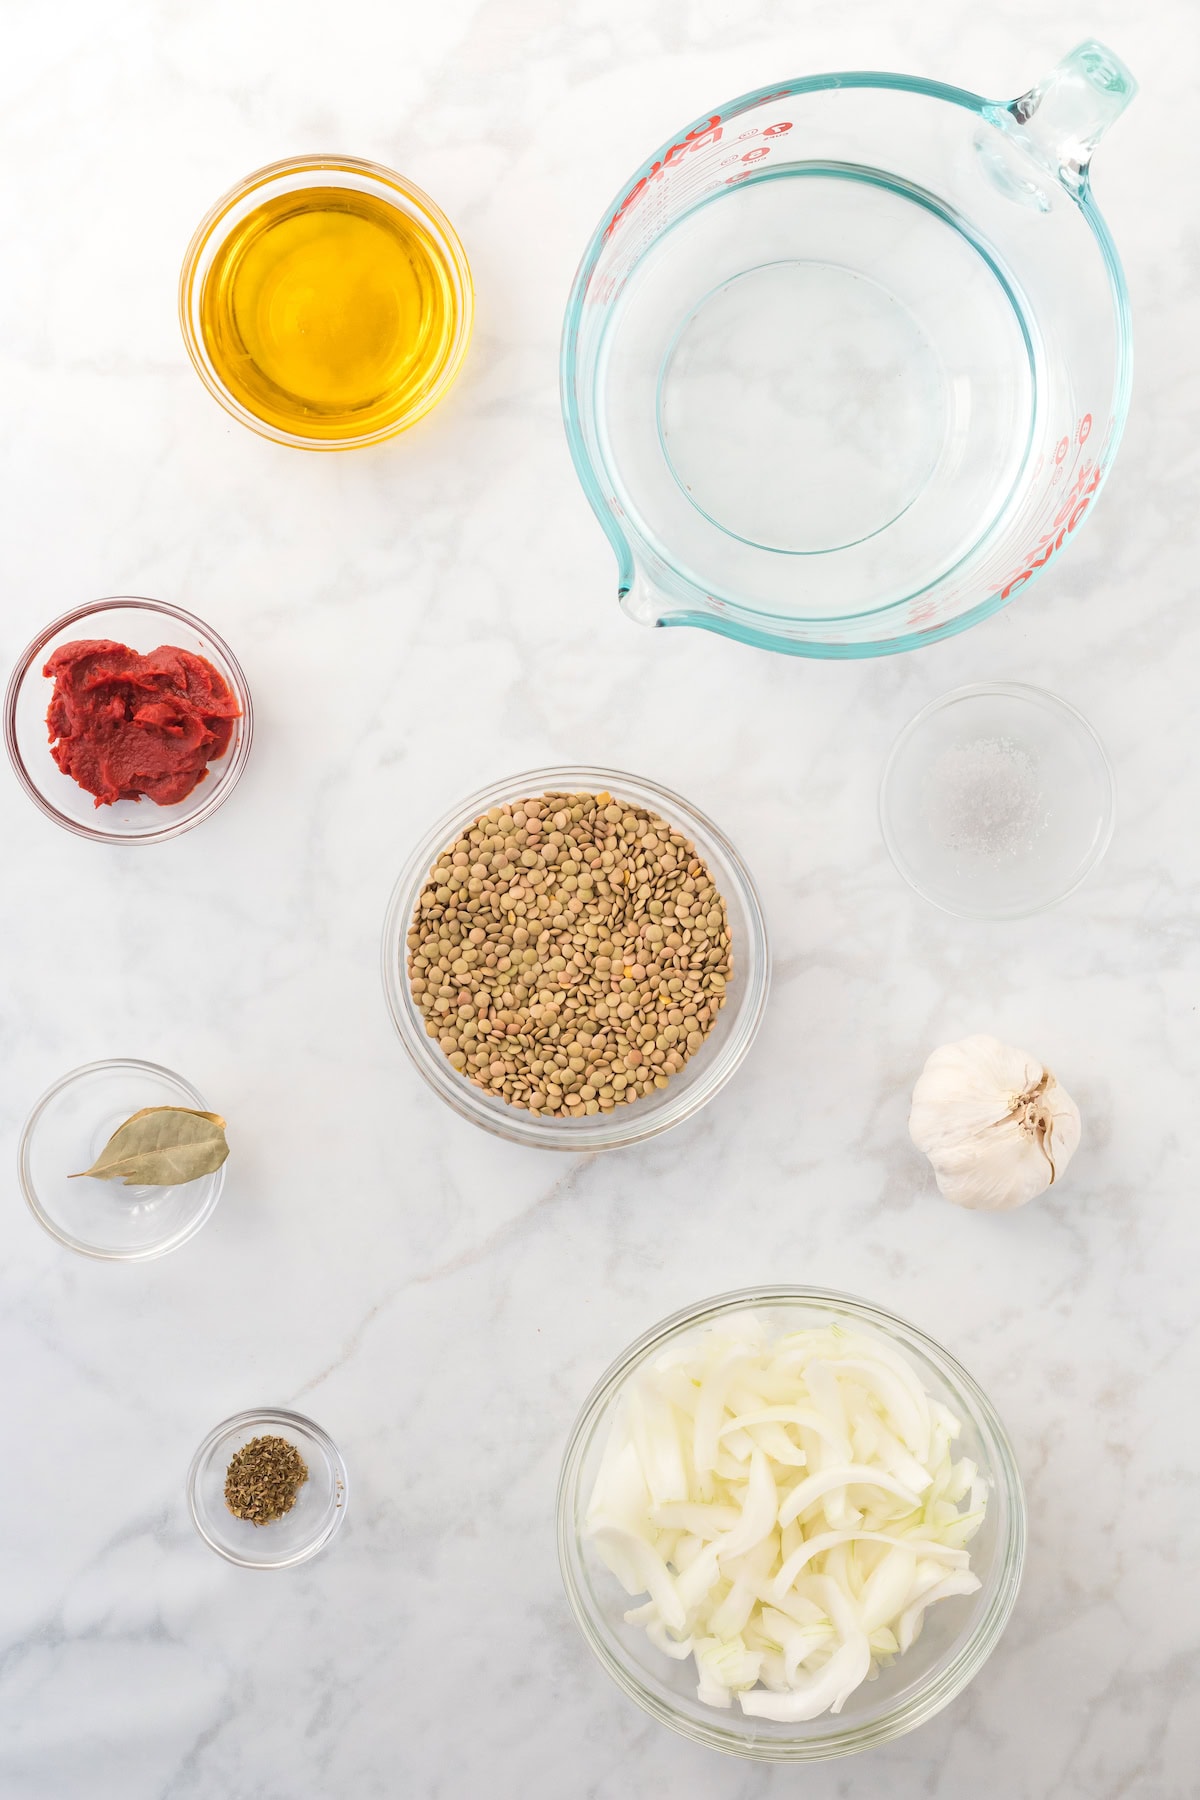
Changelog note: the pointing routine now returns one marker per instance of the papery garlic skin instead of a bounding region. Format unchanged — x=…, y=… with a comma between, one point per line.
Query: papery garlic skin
x=994, y=1123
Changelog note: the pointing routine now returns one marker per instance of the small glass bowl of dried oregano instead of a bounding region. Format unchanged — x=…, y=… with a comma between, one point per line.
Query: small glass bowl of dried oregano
x=576, y=958
x=267, y=1489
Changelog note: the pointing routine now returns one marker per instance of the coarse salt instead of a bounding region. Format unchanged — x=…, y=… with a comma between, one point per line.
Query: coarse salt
x=983, y=798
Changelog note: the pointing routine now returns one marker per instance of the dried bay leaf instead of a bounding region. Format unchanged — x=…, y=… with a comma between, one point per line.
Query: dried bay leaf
x=146, y=1110
x=161, y=1146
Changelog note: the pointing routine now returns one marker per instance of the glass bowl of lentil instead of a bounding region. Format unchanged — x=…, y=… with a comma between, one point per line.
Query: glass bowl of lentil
x=309, y=1522
x=707, y=1067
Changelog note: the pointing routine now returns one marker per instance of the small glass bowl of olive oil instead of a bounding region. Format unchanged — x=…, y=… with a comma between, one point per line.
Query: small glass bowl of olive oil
x=326, y=302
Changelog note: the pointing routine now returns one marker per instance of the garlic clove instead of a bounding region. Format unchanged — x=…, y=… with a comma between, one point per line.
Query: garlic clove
x=996, y=1126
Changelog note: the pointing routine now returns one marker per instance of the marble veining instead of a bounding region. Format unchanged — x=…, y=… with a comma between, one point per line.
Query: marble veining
x=414, y=621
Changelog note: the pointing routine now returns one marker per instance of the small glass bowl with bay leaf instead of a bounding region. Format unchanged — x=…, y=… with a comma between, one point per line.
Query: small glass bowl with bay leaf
x=122, y=1160
x=267, y=1489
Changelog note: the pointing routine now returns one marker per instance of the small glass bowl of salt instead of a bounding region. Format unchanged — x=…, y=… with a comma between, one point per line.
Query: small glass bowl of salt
x=997, y=801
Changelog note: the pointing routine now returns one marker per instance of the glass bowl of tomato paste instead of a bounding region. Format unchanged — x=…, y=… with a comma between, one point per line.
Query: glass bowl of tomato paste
x=128, y=721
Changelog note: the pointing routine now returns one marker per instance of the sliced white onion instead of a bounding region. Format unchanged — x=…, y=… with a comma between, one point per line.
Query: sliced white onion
x=703, y=1521
x=641, y=1570
x=760, y=1510
x=911, y=1620
x=809, y=1696
x=830, y=1540
x=817, y=1487
x=790, y=1510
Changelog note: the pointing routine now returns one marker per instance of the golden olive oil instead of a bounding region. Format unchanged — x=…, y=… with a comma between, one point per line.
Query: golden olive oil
x=328, y=313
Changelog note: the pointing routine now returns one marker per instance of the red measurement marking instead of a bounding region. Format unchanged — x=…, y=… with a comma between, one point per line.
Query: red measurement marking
x=695, y=140
x=1071, y=510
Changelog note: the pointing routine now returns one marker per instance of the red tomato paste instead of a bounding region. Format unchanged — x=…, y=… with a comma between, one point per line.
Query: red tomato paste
x=123, y=724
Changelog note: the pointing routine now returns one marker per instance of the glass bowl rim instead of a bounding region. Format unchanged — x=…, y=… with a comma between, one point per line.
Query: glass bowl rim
x=457, y=267
x=607, y=1131
x=268, y=1415
x=223, y=779
x=1049, y=702
x=943, y=1684
x=25, y=1177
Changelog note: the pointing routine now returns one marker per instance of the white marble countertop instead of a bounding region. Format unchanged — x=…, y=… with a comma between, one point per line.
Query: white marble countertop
x=414, y=621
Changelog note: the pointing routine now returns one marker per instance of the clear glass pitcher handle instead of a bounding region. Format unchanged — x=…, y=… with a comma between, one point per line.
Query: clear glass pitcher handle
x=1062, y=119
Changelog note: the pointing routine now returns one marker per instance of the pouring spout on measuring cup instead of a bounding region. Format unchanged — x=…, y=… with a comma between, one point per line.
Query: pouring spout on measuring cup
x=640, y=599
x=652, y=594
x=1062, y=118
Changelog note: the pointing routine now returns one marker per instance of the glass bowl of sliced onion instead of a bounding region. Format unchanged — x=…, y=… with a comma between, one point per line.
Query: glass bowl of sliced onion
x=790, y=1525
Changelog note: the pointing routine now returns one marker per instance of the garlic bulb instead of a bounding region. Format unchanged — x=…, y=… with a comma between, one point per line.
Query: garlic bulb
x=994, y=1123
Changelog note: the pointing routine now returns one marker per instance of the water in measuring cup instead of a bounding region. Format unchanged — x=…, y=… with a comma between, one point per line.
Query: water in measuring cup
x=820, y=392
x=825, y=371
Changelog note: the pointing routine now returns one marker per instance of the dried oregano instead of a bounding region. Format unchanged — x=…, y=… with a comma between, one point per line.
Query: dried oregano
x=263, y=1479
x=569, y=952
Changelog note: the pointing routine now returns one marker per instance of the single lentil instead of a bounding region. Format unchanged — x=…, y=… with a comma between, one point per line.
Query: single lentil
x=569, y=953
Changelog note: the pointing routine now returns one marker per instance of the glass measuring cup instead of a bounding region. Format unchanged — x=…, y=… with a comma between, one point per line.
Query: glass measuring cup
x=846, y=364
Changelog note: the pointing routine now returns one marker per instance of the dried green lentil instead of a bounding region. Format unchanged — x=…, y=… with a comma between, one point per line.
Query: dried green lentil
x=569, y=953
